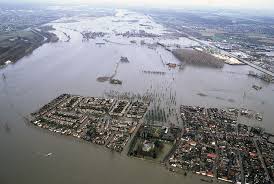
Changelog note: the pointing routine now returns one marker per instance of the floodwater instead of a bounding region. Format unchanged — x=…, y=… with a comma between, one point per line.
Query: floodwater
x=73, y=67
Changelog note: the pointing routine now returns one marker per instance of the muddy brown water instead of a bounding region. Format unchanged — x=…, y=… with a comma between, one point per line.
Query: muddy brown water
x=73, y=67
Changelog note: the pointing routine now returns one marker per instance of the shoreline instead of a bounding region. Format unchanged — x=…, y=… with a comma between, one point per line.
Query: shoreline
x=25, y=46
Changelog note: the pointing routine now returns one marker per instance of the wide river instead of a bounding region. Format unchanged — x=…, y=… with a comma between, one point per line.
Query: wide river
x=73, y=67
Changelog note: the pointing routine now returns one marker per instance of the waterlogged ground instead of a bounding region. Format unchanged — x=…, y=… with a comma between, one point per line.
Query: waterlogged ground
x=74, y=66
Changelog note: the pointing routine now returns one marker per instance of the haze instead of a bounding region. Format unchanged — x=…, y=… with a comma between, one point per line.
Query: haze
x=258, y=4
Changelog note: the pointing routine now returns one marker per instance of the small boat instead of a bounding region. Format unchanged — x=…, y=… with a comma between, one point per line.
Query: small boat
x=49, y=154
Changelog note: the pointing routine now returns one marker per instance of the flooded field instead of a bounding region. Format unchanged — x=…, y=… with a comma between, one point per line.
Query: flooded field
x=74, y=66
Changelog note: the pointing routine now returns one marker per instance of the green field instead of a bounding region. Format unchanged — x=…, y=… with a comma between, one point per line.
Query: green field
x=167, y=146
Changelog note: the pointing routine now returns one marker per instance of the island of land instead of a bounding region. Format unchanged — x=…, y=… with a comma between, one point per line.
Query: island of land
x=211, y=143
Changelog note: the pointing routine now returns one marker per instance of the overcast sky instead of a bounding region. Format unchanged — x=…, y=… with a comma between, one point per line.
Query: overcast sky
x=258, y=4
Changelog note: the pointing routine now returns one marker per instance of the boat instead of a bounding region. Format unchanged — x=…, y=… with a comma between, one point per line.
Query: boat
x=48, y=155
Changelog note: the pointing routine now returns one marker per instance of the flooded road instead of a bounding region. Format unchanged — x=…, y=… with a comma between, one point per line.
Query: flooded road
x=73, y=67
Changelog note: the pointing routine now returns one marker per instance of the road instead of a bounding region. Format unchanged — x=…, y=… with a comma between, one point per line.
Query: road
x=127, y=147
x=262, y=159
x=229, y=54
x=37, y=32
